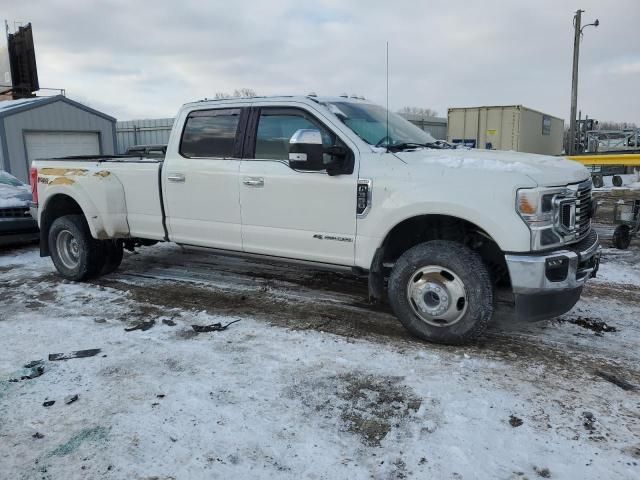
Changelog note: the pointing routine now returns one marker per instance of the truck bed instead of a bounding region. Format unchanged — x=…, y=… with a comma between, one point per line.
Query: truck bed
x=120, y=194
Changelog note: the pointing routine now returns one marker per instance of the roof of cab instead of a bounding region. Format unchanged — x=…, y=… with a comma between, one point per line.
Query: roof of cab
x=288, y=98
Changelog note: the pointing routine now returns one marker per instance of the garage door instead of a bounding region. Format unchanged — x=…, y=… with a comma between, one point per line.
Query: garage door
x=61, y=144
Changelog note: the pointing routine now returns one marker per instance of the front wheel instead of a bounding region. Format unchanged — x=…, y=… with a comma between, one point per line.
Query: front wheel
x=441, y=292
x=75, y=253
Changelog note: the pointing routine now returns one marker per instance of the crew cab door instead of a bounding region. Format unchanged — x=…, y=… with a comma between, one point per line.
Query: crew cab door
x=200, y=179
x=293, y=213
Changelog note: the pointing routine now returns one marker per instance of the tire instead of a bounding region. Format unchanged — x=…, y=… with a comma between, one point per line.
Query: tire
x=598, y=181
x=617, y=181
x=438, y=272
x=113, y=252
x=622, y=237
x=75, y=253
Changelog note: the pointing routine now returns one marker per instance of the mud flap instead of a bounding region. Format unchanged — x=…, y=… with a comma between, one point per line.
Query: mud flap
x=376, y=277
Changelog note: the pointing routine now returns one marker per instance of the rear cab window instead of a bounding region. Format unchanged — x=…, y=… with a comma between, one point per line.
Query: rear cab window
x=211, y=134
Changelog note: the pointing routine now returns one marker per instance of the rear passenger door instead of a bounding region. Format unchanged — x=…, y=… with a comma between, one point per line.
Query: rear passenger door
x=201, y=181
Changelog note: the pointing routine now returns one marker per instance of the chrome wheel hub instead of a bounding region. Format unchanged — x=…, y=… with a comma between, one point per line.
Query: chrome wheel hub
x=437, y=296
x=68, y=249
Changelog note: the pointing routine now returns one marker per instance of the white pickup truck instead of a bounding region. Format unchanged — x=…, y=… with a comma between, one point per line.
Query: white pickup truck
x=341, y=183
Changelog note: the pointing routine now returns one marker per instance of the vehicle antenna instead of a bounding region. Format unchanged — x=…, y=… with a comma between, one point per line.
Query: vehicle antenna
x=388, y=96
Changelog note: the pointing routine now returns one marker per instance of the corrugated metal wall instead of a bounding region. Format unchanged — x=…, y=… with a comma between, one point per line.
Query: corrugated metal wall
x=2, y=165
x=143, y=132
x=57, y=116
x=436, y=126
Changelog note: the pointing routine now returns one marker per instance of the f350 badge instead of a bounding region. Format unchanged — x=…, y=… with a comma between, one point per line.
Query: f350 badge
x=320, y=236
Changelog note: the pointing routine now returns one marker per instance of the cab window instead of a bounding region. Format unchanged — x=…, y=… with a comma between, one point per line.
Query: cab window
x=275, y=128
x=210, y=133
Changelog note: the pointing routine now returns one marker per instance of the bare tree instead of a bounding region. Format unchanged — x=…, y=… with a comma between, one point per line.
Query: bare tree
x=608, y=125
x=244, y=92
x=237, y=93
x=424, y=112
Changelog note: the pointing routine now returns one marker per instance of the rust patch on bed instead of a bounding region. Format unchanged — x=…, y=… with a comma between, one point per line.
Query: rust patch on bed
x=102, y=173
x=62, y=181
x=62, y=171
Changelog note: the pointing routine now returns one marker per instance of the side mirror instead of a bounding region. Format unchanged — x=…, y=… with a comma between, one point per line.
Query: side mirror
x=306, y=150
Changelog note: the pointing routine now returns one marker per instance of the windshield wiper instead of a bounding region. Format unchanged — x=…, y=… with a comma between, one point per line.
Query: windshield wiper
x=404, y=146
x=437, y=145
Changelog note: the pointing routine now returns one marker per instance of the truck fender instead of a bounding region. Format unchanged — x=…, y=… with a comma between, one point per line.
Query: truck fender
x=105, y=209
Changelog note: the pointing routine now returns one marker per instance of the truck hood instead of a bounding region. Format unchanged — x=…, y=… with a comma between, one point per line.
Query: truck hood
x=14, y=196
x=546, y=171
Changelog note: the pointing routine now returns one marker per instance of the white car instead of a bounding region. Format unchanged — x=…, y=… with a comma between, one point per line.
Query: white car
x=332, y=182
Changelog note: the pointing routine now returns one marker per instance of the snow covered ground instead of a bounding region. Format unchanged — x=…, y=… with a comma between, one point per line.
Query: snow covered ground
x=312, y=382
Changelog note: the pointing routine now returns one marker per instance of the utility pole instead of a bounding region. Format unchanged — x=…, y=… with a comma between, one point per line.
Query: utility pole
x=577, y=20
x=577, y=34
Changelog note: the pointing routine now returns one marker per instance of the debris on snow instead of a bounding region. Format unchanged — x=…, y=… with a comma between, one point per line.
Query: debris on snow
x=589, y=422
x=597, y=326
x=214, y=327
x=37, y=435
x=34, y=363
x=620, y=382
x=70, y=399
x=34, y=372
x=144, y=326
x=48, y=403
x=515, y=421
x=542, y=472
x=77, y=354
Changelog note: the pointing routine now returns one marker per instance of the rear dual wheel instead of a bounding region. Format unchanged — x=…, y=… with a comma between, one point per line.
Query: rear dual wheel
x=76, y=254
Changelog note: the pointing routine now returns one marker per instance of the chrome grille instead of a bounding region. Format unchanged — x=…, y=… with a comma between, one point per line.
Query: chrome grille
x=13, y=212
x=565, y=215
x=583, y=209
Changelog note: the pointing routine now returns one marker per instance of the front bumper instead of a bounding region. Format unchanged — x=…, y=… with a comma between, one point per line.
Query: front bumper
x=18, y=230
x=549, y=284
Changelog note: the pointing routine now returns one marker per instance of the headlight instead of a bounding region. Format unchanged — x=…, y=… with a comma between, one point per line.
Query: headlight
x=543, y=210
x=536, y=205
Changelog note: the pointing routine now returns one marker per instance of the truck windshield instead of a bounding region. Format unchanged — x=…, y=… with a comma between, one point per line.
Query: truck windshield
x=369, y=122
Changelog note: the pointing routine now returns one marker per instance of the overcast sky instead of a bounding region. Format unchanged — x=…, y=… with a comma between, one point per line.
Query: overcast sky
x=143, y=59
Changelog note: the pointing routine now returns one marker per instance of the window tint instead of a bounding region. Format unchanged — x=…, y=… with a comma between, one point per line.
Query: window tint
x=275, y=129
x=210, y=133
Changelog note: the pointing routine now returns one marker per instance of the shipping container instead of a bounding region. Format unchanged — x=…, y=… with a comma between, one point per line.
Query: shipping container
x=512, y=127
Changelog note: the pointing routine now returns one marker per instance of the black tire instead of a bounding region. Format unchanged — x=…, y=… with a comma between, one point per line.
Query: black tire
x=470, y=270
x=89, y=252
x=622, y=237
x=617, y=181
x=598, y=181
x=113, y=252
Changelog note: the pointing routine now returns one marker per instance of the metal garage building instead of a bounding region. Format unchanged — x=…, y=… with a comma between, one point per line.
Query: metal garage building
x=46, y=127
x=436, y=126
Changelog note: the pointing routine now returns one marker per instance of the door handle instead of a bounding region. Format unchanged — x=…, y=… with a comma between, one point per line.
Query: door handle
x=253, y=181
x=176, y=177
